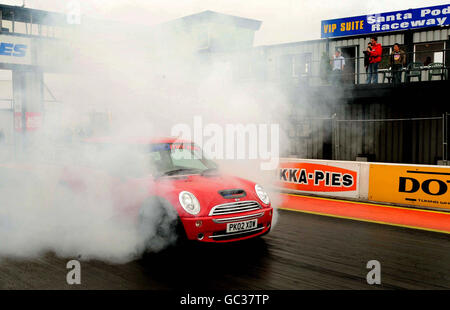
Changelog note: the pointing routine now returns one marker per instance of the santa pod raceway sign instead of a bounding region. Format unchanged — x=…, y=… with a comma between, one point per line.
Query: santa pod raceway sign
x=336, y=179
x=384, y=22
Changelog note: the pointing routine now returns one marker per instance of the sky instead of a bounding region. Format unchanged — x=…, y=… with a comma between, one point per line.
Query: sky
x=283, y=20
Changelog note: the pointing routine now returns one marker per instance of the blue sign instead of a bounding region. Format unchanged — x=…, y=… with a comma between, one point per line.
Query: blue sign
x=11, y=49
x=384, y=22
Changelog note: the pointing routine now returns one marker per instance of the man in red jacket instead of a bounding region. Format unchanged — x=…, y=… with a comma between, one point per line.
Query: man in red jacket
x=374, y=59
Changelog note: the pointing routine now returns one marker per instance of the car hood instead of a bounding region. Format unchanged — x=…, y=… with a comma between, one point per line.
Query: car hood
x=206, y=188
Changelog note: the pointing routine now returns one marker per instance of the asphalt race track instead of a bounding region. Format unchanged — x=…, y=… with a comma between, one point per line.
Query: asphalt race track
x=303, y=251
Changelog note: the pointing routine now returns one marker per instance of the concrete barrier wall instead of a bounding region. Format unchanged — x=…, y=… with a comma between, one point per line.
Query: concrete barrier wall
x=415, y=185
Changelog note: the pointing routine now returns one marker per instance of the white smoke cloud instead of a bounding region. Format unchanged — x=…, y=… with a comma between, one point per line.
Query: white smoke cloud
x=142, y=90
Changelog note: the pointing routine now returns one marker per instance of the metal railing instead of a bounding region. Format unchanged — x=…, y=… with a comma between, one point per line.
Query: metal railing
x=354, y=128
x=418, y=140
x=320, y=72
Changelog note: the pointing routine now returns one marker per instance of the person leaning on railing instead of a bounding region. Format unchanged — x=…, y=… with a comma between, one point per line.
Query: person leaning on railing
x=338, y=64
x=397, y=61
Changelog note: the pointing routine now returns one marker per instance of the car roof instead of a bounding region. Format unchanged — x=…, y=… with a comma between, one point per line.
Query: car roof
x=136, y=140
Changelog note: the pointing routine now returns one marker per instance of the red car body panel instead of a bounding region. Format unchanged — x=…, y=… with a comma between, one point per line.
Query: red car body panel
x=206, y=189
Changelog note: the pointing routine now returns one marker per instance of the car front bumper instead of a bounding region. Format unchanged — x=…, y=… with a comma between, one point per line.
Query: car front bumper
x=214, y=228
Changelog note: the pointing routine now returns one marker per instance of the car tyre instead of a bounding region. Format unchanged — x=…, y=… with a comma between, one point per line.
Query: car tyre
x=159, y=225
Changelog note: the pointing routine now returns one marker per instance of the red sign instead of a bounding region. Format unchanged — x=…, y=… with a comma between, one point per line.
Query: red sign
x=33, y=120
x=316, y=177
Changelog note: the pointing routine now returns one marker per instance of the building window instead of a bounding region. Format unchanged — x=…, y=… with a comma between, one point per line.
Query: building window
x=295, y=66
x=427, y=53
x=301, y=65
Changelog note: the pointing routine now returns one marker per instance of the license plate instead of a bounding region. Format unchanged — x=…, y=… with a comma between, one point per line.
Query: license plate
x=242, y=226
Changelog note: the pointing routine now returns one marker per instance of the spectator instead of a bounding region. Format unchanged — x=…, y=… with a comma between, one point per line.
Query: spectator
x=337, y=64
x=366, y=61
x=374, y=60
x=427, y=61
x=397, y=61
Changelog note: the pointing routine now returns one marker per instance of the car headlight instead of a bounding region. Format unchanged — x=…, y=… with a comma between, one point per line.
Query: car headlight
x=262, y=194
x=189, y=202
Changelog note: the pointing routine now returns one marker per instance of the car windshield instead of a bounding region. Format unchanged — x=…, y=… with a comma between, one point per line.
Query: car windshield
x=178, y=158
x=134, y=160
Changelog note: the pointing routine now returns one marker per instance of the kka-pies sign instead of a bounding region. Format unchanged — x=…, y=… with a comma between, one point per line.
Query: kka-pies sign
x=385, y=22
x=322, y=177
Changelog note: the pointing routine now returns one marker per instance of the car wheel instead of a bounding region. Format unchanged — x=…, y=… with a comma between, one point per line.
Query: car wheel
x=159, y=225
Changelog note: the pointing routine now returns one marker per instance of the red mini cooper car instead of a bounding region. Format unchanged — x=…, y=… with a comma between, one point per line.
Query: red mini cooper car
x=181, y=189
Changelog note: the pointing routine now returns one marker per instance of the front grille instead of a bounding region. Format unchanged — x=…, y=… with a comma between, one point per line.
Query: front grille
x=235, y=207
x=237, y=218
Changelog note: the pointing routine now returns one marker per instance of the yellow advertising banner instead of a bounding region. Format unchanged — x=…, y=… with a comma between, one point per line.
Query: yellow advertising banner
x=413, y=185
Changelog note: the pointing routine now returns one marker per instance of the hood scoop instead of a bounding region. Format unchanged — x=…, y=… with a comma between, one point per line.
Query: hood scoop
x=233, y=193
